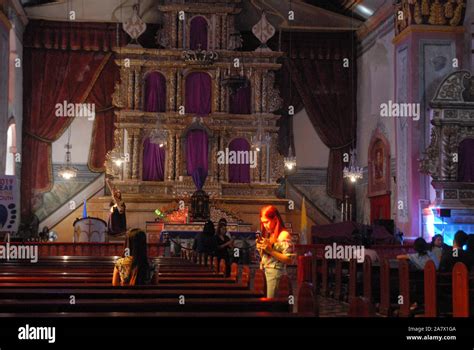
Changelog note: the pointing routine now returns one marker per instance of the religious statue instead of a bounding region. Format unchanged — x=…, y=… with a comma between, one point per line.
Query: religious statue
x=117, y=223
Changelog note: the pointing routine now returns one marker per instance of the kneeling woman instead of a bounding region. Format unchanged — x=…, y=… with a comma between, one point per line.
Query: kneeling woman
x=134, y=268
x=275, y=247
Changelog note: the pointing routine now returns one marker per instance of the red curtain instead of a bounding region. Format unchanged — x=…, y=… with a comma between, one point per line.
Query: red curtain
x=103, y=130
x=328, y=91
x=71, y=35
x=50, y=77
x=62, y=62
x=380, y=207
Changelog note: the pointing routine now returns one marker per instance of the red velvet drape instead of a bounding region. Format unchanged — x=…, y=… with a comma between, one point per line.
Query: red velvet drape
x=328, y=91
x=50, y=77
x=62, y=62
x=380, y=207
x=103, y=130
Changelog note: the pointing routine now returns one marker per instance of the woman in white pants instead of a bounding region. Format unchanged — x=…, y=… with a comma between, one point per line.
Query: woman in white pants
x=275, y=247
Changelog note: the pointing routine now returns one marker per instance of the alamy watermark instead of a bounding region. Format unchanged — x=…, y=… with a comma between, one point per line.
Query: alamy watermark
x=403, y=110
x=37, y=333
x=19, y=252
x=345, y=252
x=237, y=157
x=84, y=110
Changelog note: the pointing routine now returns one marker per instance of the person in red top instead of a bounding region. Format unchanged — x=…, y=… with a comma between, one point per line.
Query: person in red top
x=275, y=248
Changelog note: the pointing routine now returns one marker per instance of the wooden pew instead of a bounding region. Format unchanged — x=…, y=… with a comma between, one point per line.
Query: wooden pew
x=461, y=305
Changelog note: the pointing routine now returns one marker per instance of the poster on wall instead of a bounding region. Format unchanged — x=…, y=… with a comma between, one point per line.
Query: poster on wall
x=9, y=216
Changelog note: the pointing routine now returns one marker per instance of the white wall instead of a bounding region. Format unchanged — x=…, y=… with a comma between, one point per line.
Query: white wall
x=310, y=150
x=81, y=134
x=375, y=86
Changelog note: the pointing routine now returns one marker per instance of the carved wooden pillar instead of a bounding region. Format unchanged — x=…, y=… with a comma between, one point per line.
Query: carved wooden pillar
x=213, y=156
x=180, y=33
x=225, y=166
x=257, y=91
x=217, y=33
x=137, y=88
x=264, y=92
x=178, y=156
x=136, y=153
x=130, y=88
x=179, y=91
x=170, y=154
x=224, y=39
x=171, y=90
x=128, y=165
x=174, y=19
x=218, y=91
x=223, y=97
x=263, y=162
x=215, y=94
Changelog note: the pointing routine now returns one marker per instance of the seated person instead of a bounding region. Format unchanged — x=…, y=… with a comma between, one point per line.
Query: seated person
x=422, y=255
x=223, y=244
x=205, y=243
x=134, y=268
x=438, y=246
x=456, y=253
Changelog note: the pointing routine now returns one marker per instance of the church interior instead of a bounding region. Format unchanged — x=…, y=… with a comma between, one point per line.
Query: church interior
x=298, y=159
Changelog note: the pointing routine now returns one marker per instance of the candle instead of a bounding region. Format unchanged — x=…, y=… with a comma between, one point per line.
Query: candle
x=342, y=212
x=350, y=212
x=181, y=178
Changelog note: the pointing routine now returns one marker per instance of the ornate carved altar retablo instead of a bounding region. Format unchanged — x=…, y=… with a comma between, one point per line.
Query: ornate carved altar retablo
x=447, y=157
x=182, y=55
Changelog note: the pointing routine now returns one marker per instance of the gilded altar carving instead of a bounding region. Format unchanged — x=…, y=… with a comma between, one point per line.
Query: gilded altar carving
x=430, y=164
x=452, y=122
x=275, y=102
x=222, y=126
x=429, y=12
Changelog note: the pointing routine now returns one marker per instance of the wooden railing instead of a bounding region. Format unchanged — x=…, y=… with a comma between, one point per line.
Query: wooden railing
x=87, y=249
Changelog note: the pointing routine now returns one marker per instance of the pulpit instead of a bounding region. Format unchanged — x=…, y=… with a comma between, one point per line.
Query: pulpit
x=90, y=230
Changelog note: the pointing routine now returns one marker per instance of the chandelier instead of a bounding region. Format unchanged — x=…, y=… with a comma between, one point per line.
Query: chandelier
x=200, y=56
x=261, y=138
x=353, y=173
x=159, y=135
x=68, y=171
x=290, y=160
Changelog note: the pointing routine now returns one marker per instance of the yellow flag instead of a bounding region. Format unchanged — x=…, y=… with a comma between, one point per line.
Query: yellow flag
x=304, y=239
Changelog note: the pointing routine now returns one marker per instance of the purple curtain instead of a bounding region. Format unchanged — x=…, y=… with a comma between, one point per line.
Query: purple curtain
x=240, y=101
x=198, y=33
x=466, y=161
x=153, y=161
x=198, y=93
x=155, y=93
x=239, y=173
x=197, y=156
